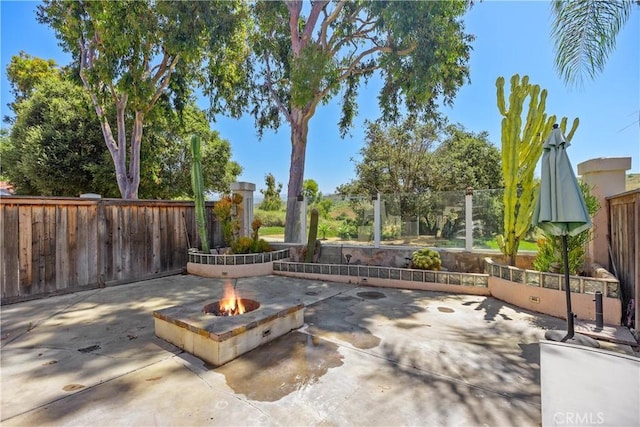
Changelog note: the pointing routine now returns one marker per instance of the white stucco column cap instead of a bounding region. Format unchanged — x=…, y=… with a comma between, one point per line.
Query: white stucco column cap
x=243, y=186
x=604, y=164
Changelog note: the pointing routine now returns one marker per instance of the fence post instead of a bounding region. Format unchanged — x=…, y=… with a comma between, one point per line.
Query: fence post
x=376, y=220
x=468, y=219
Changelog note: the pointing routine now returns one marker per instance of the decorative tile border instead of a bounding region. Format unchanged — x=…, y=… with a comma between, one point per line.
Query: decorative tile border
x=583, y=285
x=393, y=273
x=238, y=259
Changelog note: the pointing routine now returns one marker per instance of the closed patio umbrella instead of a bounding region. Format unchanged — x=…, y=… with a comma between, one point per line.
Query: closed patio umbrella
x=561, y=211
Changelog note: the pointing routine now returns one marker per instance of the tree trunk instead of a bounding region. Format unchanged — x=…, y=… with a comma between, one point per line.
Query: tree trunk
x=128, y=178
x=299, y=131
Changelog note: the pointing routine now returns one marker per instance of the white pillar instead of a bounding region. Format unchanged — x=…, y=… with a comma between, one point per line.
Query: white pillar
x=245, y=189
x=377, y=224
x=606, y=177
x=468, y=219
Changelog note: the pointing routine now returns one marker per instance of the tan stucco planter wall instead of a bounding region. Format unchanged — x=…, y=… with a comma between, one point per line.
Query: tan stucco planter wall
x=553, y=302
x=230, y=271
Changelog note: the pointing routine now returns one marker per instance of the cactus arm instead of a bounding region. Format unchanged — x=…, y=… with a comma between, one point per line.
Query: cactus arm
x=197, y=184
x=574, y=127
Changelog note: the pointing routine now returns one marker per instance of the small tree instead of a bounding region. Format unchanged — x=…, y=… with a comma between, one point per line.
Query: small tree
x=272, y=200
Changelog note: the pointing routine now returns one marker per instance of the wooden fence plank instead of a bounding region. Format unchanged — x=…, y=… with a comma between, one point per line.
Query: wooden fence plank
x=72, y=246
x=92, y=245
x=50, y=248
x=109, y=262
x=10, y=250
x=37, y=253
x=62, y=248
x=83, y=247
x=25, y=225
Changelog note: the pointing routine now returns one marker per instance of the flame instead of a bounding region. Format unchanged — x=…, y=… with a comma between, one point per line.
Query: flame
x=230, y=304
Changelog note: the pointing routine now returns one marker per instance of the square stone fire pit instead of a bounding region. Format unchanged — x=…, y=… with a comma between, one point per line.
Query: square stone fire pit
x=219, y=339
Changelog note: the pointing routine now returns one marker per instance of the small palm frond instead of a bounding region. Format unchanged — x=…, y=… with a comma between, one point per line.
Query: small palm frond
x=584, y=34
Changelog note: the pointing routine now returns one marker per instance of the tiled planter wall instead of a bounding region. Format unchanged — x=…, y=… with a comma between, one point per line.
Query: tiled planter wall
x=239, y=259
x=610, y=287
x=376, y=272
x=234, y=266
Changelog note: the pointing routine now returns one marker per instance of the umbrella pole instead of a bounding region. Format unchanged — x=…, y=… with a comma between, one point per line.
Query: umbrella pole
x=567, y=288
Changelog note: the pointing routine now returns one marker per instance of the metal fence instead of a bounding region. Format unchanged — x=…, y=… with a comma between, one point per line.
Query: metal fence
x=458, y=219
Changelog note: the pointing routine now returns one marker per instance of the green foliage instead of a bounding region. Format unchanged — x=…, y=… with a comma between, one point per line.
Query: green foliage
x=549, y=256
x=313, y=234
x=228, y=211
x=271, y=195
x=324, y=207
x=25, y=72
x=270, y=218
x=521, y=150
x=310, y=191
x=465, y=159
x=165, y=158
x=55, y=144
x=395, y=158
x=426, y=259
x=348, y=229
x=391, y=230
x=253, y=244
x=198, y=192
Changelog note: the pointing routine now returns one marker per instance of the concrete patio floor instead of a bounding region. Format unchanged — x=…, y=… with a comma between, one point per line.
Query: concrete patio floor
x=365, y=356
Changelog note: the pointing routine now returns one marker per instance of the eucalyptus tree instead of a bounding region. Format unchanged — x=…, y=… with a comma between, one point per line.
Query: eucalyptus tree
x=584, y=32
x=130, y=54
x=304, y=54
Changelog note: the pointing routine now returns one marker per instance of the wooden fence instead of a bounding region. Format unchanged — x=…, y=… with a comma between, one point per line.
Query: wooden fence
x=624, y=232
x=57, y=245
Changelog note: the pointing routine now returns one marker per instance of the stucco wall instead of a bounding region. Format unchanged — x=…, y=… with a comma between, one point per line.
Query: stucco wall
x=553, y=302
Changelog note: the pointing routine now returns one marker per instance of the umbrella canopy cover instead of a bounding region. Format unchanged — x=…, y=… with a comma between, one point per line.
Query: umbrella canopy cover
x=560, y=209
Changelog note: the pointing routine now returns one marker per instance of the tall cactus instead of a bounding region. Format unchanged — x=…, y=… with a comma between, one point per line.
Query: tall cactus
x=521, y=150
x=313, y=235
x=197, y=183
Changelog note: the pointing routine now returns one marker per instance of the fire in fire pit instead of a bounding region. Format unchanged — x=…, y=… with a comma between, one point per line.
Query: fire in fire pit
x=231, y=304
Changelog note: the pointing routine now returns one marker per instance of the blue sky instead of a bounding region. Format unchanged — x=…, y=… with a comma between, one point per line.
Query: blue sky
x=511, y=37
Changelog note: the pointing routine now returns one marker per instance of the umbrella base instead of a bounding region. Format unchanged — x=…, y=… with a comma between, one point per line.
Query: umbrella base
x=577, y=339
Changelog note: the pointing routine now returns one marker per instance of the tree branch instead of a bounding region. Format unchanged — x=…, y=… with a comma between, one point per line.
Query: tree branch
x=274, y=95
x=294, y=7
x=163, y=83
x=317, y=7
x=330, y=19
